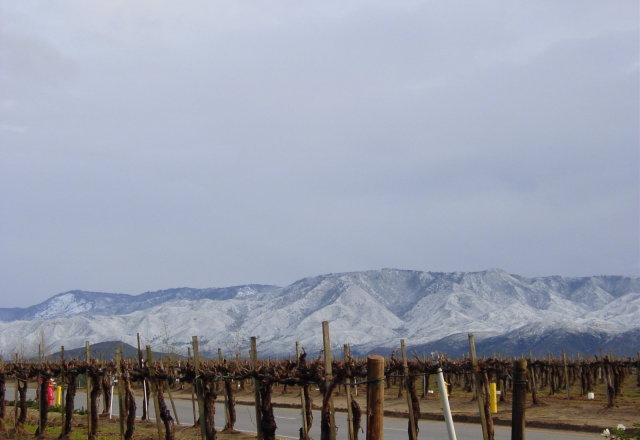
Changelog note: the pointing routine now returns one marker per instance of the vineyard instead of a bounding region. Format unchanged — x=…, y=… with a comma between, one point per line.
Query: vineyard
x=222, y=378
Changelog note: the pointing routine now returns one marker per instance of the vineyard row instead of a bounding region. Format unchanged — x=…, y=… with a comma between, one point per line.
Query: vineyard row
x=214, y=378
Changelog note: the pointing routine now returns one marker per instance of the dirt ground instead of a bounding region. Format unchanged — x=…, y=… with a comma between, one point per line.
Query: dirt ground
x=576, y=413
x=107, y=430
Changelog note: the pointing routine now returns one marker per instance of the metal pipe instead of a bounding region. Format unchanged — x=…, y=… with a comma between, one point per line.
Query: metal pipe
x=444, y=398
x=111, y=402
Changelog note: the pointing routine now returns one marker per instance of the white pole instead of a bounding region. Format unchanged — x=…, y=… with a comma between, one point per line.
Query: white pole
x=111, y=401
x=445, y=405
x=144, y=390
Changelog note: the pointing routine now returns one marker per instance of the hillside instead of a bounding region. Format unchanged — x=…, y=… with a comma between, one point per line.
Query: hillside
x=370, y=310
x=106, y=351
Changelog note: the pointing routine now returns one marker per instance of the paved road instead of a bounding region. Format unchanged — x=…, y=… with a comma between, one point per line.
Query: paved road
x=288, y=421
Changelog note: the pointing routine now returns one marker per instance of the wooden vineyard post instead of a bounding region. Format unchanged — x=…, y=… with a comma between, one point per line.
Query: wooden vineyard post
x=122, y=410
x=87, y=349
x=566, y=374
x=145, y=401
x=193, y=394
x=425, y=390
x=519, y=399
x=62, y=399
x=154, y=391
x=413, y=432
x=347, y=358
x=533, y=381
x=477, y=385
x=39, y=397
x=227, y=410
x=256, y=389
x=218, y=380
x=303, y=404
x=610, y=388
x=173, y=405
x=2, y=395
x=375, y=397
x=196, y=385
x=15, y=398
x=328, y=377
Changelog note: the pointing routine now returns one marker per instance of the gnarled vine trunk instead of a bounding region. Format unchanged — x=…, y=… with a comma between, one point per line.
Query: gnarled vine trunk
x=266, y=409
x=356, y=414
x=415, y=403
x=308, y=405
x=485, y=385
x=3, y=390
x=130, y=404
x=94, y=396
x=22, y=404
x=325, y=412
x=106, y=394
x=231, y=406
x=165, y=414
x=43, y=406
x=68, y=406
x=209, y=396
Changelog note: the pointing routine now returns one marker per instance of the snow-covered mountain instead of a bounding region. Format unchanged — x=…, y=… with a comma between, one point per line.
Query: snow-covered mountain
x=79, y=302
x=371, y=310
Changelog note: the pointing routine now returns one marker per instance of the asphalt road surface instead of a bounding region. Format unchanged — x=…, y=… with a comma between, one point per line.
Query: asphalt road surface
x=289, y=422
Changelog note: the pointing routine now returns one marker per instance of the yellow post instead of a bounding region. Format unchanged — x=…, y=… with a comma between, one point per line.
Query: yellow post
x=493, y=398
x=58, y=395
x=446, y=387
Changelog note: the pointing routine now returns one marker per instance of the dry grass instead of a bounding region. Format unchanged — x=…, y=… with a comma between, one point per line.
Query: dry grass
x=108, y=430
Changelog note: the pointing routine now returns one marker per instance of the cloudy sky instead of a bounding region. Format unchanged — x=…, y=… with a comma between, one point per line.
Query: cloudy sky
x=150, y=144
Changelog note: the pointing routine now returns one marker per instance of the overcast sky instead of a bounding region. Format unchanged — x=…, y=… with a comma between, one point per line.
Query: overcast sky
x=148, y=144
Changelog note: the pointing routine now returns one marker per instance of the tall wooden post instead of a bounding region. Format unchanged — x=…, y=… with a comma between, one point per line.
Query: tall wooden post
x=256, y=389
x=303, y=404
x=413, y=432
x=610, y=388
x=145, y=401
x=375, y=397
x=347, y=358
x=122, y=410
x=328, y=377
x=478, y=387
x=87, y=351
x=62, y=399
x=566, y=374
x=193, y=394
x=197, y=385
x=154, y=391
x=173, y=405
x=519, y=399
x=15, y=398
x=42, y=399
x=227, y=411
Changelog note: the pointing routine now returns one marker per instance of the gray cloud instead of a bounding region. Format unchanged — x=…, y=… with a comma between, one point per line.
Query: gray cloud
x=154, y=144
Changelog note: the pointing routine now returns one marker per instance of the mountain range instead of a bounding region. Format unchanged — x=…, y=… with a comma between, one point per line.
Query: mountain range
x=371, y=310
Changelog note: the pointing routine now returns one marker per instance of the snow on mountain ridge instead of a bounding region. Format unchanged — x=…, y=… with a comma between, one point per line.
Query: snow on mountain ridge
x=66, y=304
x=367, y=309
x=100, y=303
